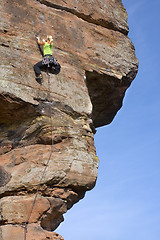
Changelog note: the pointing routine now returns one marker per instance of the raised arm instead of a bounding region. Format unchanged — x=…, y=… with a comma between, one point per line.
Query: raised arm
x=40, y=42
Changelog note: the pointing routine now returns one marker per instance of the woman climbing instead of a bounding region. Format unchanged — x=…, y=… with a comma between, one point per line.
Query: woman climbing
x=48, y=59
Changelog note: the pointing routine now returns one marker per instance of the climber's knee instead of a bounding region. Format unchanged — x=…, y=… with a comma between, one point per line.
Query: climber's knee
x=56, y=68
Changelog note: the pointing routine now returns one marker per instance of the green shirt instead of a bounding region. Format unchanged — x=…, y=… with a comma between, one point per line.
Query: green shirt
x=47, y=48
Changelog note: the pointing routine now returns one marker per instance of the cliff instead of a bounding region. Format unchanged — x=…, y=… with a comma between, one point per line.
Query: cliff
x=47, y=155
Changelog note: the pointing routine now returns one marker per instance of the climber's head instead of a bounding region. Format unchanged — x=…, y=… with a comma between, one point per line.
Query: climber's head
x=49, y=38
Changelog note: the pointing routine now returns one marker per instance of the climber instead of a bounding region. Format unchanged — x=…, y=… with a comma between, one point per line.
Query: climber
x=48, y=59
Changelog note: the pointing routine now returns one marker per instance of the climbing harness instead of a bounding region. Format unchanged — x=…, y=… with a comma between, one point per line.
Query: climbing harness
x=47, y=60
x=47, y=163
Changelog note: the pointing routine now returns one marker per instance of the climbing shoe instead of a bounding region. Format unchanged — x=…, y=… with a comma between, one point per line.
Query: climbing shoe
x=39, y=78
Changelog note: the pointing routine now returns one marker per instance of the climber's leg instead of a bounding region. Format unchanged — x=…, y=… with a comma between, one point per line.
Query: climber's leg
x=37, y=71
x=37, y=67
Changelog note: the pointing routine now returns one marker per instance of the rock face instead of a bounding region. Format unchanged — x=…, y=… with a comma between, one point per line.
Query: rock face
x=47, y=155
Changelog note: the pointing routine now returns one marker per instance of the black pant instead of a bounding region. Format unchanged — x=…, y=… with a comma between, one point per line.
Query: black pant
x=37, y=67
x=53, y=68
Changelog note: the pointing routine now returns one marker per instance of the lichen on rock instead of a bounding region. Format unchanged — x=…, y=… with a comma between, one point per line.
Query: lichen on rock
x=47, y=147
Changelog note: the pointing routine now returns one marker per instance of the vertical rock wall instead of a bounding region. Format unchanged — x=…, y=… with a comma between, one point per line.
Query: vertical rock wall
x=47, y=155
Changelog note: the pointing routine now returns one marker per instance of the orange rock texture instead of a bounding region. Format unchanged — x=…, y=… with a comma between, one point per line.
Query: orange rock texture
x=47, y=154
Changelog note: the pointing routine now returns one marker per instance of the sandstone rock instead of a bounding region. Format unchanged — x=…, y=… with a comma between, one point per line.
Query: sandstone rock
x=17, y=232
x=47, y=155
x=109, y=14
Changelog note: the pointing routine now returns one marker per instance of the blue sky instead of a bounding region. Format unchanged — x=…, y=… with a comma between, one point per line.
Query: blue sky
x=125, y=204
